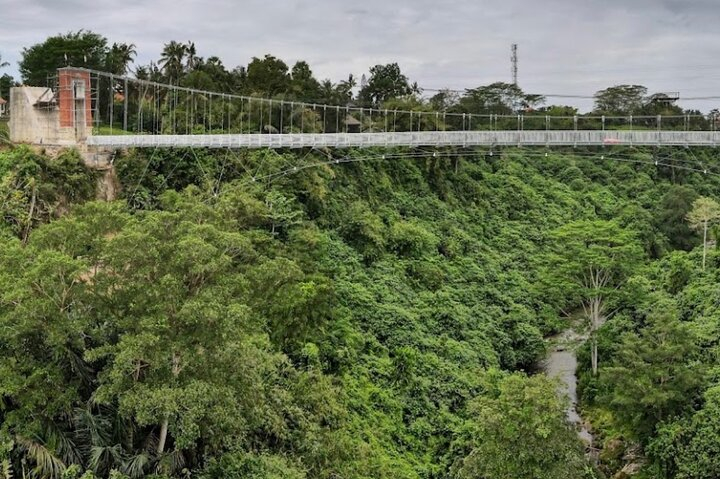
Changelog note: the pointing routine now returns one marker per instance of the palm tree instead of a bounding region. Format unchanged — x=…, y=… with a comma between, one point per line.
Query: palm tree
x=120, y=57
x=3, y=64
x=149, y=72
x=171, y=60
x=192, y=59
x=95, y=438
x=327, y=92
x=345, y=89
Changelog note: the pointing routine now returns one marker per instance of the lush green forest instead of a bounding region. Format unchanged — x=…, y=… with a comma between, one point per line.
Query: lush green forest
x=379, y=318
x=375, y=319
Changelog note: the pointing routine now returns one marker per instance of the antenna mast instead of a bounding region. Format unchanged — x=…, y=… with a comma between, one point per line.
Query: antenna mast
x=514, y=59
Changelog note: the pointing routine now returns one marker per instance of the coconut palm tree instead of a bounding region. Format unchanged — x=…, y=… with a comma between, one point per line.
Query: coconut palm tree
x=120, y=57
x=345, y=89
x=171, y=60
x=96, y=439
x=192, y=60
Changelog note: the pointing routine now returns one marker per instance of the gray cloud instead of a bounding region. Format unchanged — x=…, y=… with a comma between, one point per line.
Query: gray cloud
x=566, y=46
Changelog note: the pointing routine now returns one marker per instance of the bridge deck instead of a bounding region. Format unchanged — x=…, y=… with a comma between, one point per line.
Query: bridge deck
x=422, y=138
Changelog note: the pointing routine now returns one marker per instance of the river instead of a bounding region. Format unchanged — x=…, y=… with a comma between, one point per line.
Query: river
x=561, y=363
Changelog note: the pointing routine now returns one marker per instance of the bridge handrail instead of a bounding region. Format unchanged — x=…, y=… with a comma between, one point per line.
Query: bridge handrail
x=385, y=111
x=416, y=139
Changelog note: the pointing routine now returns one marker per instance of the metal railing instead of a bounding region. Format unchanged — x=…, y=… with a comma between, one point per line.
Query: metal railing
x=121, y=104
x=423, y=138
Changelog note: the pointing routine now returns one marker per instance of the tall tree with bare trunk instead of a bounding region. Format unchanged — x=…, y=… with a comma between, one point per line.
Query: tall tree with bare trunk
x=705, y=213
x=591, y=262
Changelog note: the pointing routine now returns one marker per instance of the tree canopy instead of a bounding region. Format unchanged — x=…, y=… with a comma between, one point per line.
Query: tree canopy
x=80, y=49
x=539, y=445
x=385, y=83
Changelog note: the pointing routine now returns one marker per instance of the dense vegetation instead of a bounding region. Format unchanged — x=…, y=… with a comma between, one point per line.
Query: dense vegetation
x=380, y=318
x=370, y=320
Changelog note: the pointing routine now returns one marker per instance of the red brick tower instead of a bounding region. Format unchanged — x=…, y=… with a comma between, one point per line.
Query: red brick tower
x=74, y=96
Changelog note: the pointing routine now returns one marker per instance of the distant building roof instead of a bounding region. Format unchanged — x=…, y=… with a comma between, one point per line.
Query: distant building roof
x=665, y=96
x=352, y=121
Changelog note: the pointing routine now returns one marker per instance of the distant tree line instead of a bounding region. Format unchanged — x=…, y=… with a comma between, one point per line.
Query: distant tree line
x=386, y=86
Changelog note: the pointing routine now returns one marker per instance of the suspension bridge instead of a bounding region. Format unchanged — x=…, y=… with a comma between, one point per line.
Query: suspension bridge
x=100, y=110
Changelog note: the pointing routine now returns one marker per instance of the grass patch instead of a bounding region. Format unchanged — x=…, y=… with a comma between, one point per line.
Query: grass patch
x=4, y=132
x=106, y=130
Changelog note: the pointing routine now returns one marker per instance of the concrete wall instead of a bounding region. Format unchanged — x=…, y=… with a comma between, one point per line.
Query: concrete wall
x=36, y=125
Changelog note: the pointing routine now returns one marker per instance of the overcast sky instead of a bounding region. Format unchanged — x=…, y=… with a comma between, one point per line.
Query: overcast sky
x=565, y=46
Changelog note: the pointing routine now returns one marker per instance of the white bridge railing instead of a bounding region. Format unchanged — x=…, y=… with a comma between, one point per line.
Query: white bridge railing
x=410, y=139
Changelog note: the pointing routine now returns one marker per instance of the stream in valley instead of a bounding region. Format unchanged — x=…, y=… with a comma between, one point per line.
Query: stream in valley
x=561, y=363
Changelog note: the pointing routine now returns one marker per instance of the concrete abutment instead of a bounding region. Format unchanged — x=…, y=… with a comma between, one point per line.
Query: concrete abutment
x=57, y=117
